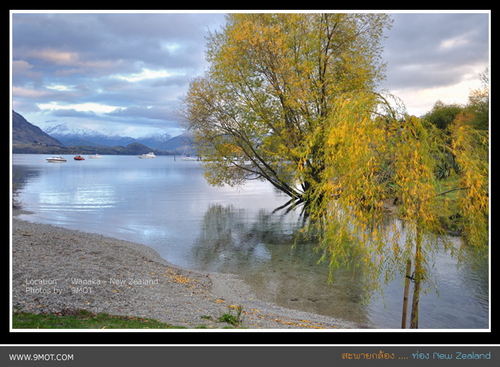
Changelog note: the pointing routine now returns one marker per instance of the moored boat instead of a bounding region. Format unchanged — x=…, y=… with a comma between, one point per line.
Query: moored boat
x=79, y=158
x=149, y=155
x=95, y=156
x=56, y=159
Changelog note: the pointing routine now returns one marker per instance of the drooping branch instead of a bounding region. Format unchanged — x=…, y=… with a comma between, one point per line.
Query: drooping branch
x=448, y=191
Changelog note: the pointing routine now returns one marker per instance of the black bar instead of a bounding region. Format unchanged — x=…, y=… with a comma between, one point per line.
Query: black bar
x=129, y=355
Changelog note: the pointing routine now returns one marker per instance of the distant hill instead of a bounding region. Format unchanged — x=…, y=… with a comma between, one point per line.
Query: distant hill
x=28, y=138
x=130, y=149
x=181, y=144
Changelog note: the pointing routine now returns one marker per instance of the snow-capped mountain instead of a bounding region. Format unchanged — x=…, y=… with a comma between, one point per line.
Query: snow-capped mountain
x=154, y=140
x=84, y=136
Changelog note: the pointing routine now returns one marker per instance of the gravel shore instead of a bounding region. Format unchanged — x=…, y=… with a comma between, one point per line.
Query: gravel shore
x=58, y=270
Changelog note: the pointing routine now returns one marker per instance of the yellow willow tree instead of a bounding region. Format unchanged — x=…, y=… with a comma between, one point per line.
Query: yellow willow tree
x=290, y=98
x=271, y=85
x=376, y=159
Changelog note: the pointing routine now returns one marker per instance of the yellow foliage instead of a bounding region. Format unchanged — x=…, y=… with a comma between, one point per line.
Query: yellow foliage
x=289, y=98
x=273, y=81
x=470, y=146
x=369, y=161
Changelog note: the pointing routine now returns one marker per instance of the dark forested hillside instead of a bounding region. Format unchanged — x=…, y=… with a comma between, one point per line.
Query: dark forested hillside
x=28, y=138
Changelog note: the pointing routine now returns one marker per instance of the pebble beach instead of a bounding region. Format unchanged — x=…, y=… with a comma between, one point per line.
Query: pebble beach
x=57, y=270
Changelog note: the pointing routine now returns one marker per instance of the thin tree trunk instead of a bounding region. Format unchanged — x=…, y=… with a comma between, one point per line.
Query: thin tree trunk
x=414, y=306
x=405, y=296
x=417, y=279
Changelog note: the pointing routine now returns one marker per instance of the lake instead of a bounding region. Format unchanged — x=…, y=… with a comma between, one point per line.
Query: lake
x=165, y=203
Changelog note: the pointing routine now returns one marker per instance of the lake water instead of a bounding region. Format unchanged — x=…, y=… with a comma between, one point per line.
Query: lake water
x=166, y=204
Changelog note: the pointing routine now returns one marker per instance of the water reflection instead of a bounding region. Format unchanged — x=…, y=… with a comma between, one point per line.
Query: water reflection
x=475, y=277
x=168, y=206
x=21, y=176
x=229, y=239
x=261, y=252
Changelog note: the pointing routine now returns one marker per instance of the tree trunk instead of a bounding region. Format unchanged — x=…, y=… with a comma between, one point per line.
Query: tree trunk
x=414, y=306
x=405, y=297
x=417, y=277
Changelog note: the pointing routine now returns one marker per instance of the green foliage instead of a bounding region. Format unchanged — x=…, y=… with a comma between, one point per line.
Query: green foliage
x=235, y=318
x=82, y=319
x=479, y=104
x=442, y=115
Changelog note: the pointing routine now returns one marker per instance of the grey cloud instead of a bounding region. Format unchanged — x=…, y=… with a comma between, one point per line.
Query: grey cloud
x=429, y=50
x=87, y=53
x=173, y=81
x=115, y=40
x=154, y=113
x=73, y=113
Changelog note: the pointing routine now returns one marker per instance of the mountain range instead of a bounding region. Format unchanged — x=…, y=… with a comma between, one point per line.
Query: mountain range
x=82, y=136
x=59, y=139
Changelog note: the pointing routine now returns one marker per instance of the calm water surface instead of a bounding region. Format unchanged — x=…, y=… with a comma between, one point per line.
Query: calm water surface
x=167, y=205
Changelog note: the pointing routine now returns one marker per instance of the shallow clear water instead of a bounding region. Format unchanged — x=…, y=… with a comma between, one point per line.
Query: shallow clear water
x=167, y=205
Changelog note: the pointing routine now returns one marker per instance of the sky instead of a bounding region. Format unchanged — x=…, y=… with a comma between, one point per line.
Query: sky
x=125, y=72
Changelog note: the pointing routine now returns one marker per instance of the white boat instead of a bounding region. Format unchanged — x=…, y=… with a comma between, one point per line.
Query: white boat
x=188, y=157
x=95, y=156
x=149, y=155
x=56, y=159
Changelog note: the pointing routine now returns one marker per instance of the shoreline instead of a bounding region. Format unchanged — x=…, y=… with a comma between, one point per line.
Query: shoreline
x=56, y=269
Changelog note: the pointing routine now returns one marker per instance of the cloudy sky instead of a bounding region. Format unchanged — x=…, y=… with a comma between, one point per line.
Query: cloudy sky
x=125, y=72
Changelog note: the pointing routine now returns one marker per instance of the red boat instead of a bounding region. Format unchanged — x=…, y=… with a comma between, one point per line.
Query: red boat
x=79, y=158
